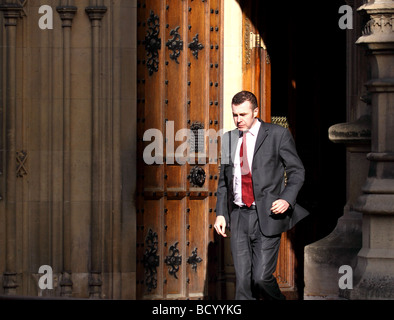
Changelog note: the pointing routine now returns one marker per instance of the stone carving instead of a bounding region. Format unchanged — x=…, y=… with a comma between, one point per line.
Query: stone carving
x=21, y=158
x=380, y=23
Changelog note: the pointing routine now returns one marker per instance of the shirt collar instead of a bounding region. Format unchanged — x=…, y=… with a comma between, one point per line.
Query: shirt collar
x=254, y=130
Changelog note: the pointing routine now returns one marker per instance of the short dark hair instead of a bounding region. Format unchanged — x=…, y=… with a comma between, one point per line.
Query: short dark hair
x=243, y=96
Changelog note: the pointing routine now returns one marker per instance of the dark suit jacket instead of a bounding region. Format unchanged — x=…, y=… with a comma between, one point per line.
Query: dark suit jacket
x=274, y=153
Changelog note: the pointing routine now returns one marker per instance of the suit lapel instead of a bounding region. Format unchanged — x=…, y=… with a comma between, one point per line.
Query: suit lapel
x=234, y=141
x=263, y=133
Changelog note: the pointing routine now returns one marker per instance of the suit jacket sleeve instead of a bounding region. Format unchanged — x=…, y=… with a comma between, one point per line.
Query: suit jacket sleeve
x=295, y=171
x=222, y=190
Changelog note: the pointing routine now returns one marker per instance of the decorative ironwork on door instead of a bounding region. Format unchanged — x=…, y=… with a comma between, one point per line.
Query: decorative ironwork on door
x=153, y=43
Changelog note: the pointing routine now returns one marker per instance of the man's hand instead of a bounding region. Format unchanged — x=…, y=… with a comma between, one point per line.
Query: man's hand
x=220, y=226
x=280, y=206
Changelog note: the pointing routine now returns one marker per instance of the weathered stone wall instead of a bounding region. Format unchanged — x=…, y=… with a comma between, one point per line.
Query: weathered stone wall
x=68, y=153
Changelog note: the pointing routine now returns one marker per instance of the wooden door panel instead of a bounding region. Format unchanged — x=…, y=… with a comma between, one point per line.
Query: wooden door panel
x=152, y=237
x=197, y=228
x=198, y=73
x=153, y=178
x=174, y=248
x=175, y=180
x=179, y=83
x=175, y=65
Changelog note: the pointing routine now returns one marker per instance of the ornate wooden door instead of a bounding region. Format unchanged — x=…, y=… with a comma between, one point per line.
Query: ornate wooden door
x=179, y=93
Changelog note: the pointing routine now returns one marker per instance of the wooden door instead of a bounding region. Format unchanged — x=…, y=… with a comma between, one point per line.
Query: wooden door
x=179, y=92
x=257, y=79
x=256, y=66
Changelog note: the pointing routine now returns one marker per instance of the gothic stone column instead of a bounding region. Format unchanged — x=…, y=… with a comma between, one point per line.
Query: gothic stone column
x=374, y=274
x=96, y=13
x=324, y=257
x=12, y=13
x=67, y=13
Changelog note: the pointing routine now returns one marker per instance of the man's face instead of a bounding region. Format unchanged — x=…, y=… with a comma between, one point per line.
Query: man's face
x=244, y=116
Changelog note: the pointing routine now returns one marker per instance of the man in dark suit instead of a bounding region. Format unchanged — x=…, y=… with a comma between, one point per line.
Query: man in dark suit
x=253, y=197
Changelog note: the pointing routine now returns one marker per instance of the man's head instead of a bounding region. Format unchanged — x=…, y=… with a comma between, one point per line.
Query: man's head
x=245, y=110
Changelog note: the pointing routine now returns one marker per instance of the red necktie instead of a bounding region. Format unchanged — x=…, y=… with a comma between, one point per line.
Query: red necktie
x=246, y=176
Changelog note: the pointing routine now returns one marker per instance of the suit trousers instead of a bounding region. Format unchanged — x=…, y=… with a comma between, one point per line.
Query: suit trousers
x=255, y=257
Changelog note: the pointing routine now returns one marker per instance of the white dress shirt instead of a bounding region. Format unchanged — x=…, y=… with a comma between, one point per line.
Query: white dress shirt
x=251, y=137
